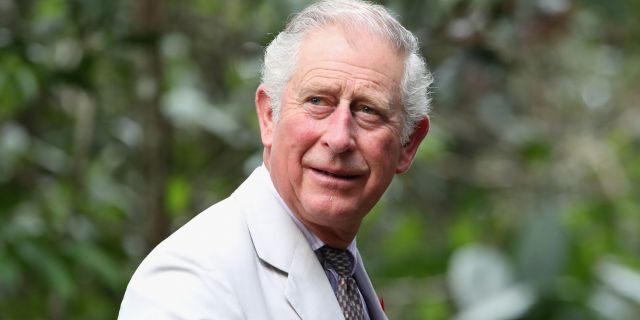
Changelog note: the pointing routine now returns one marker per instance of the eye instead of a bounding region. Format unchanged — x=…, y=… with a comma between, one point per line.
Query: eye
x=318, y=106
x=319, y=101
x=367, y=114
x=315, y=101
x=367, y=109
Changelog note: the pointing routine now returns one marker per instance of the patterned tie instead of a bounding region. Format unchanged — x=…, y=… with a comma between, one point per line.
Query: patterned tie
x=348, y=296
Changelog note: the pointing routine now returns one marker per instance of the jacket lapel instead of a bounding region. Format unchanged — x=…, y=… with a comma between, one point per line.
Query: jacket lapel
x=279, y=243
x=368, y=293
x=308, y=289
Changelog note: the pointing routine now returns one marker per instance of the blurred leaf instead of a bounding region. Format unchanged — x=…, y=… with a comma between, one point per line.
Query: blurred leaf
x=406, y=237
x=477, y=272
x=483, y=285
x=48, y=266
x=10, y=274
x=542, y=249
x=611, y=306
x=97, y=261
x=178, y=196
x=622, y=280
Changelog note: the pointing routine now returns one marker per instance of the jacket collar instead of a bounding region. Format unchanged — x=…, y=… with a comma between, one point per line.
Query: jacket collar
x=279, y=243
x=368, y=293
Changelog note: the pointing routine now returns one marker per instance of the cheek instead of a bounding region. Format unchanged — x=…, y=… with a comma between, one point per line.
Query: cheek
x=293, y=138
x=382, y=150
x=300, y=132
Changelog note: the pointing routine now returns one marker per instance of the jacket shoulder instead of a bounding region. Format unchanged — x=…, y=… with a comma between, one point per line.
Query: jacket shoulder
x=190, y=273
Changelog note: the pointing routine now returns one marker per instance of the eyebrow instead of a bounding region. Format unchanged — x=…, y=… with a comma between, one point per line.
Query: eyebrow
x=320, y=85
x=363, y=92
x=379, y=100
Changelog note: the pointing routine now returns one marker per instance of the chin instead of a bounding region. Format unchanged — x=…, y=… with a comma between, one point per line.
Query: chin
x=330, y=212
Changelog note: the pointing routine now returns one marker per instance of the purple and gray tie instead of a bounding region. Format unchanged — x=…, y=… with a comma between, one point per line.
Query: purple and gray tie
x=347, y=293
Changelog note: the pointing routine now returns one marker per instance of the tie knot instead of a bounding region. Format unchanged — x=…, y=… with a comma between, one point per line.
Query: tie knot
x=339, y=260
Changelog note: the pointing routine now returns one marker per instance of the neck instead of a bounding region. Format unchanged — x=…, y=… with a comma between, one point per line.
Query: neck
x=332, y=237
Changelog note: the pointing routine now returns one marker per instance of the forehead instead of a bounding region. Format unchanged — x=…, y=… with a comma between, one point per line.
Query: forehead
x=356, y=54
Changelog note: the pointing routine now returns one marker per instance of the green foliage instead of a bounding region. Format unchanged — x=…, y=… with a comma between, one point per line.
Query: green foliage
x=121, y=120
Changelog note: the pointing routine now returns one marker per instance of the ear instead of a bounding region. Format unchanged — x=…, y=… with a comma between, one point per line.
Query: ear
x=411, y=147
x=265, y=116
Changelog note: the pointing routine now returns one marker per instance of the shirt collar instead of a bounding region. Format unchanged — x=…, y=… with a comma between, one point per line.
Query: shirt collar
x=313, y=240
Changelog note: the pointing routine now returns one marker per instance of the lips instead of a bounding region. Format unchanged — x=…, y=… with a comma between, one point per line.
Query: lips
x=337, y=174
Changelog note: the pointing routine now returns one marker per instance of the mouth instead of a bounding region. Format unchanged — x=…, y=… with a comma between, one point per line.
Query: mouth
x=337, y=175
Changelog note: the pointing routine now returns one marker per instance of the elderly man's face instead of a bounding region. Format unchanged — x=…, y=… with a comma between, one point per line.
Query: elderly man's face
x=336, y=145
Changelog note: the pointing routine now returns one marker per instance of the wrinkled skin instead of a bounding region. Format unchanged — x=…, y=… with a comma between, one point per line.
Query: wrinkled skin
x=336, y=145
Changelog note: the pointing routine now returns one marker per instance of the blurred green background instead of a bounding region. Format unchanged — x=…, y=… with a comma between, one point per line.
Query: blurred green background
x=121, y=120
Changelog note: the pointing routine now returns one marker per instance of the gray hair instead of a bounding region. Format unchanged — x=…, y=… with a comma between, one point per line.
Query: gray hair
x=281, y=54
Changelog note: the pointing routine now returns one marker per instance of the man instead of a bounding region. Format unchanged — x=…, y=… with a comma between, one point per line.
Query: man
x=342, y=109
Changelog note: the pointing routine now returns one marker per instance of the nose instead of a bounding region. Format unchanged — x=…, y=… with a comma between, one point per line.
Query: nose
x=339, y=133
